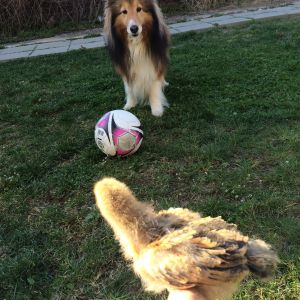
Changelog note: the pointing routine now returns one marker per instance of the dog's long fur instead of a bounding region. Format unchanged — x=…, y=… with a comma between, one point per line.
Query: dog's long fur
x=140, y=58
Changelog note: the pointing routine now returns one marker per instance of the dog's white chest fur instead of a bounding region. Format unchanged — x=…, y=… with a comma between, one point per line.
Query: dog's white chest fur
x=142, y=70
x=144, y=85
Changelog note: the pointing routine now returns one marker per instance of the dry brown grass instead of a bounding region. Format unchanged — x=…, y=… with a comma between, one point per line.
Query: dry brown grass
x=205, y=4
x=30, y=15
x=16, y=15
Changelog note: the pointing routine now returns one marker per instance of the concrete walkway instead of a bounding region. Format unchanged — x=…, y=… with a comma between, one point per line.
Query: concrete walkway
x=63, y=44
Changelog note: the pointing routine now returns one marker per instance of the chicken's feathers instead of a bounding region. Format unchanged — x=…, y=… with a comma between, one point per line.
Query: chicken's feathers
x=184, y=259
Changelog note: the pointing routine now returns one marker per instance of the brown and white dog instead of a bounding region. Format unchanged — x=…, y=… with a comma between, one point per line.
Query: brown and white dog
x=138, y=42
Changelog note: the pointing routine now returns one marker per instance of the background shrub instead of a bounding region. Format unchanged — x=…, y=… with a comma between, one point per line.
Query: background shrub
x=17, y=15
x=205, y=4
x=27, y=15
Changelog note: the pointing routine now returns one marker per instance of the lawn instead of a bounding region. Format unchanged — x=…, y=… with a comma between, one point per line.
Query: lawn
x=229, y=145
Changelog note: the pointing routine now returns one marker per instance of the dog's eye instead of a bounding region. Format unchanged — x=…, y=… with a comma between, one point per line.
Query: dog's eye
x=124, y=12
x=139, y=9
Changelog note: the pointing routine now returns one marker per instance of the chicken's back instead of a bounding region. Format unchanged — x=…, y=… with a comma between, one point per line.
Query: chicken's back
x=208, y=254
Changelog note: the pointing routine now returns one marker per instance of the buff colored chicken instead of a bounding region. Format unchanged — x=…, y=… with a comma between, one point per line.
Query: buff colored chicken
x=194, y=258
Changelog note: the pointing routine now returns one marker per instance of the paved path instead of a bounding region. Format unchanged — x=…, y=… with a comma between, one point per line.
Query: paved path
x=63, y=44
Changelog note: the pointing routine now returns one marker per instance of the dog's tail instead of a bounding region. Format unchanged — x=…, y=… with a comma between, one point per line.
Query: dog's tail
x=262, y=260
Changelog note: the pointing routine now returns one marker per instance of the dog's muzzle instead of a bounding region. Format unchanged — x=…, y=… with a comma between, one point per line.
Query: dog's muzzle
x=133, y=29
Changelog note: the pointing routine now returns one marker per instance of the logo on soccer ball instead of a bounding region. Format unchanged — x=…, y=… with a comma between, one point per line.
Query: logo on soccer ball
x=126, y=141
x=118, y=133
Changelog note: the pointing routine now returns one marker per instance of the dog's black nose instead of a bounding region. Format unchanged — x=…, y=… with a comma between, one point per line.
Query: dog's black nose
x=134, y=29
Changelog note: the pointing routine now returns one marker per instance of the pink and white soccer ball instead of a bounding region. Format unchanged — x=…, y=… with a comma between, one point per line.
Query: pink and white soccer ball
x=119, y=133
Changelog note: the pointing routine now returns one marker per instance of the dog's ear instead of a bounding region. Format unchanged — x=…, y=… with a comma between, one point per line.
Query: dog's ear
x=107, y=19
x=160, y=39
x=115, y=42
x=110, y=2
x=162, y=25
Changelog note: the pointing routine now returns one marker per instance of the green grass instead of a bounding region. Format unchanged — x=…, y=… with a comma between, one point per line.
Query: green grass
x=229, y=145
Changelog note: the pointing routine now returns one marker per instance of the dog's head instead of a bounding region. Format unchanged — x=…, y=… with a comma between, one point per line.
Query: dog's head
x=131, y=16
x=135, y=20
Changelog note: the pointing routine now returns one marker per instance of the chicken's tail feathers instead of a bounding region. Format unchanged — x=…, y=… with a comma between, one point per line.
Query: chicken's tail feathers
x=262, y=260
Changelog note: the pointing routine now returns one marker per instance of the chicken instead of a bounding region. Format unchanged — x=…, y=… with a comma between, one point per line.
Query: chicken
x=192, y=257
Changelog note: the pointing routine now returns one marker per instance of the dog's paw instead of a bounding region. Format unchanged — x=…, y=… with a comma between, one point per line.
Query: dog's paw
x=157, y=112
x=130, y=103
x=128, y=106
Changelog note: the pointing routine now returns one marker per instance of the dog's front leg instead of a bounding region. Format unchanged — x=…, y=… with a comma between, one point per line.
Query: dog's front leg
x=131, y=100
x=157, y=98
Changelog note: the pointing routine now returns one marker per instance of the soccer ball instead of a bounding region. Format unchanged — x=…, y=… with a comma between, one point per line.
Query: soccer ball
x=119, y=133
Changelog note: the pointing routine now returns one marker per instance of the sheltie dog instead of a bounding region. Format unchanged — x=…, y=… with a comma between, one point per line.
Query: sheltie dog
x=138, y=41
